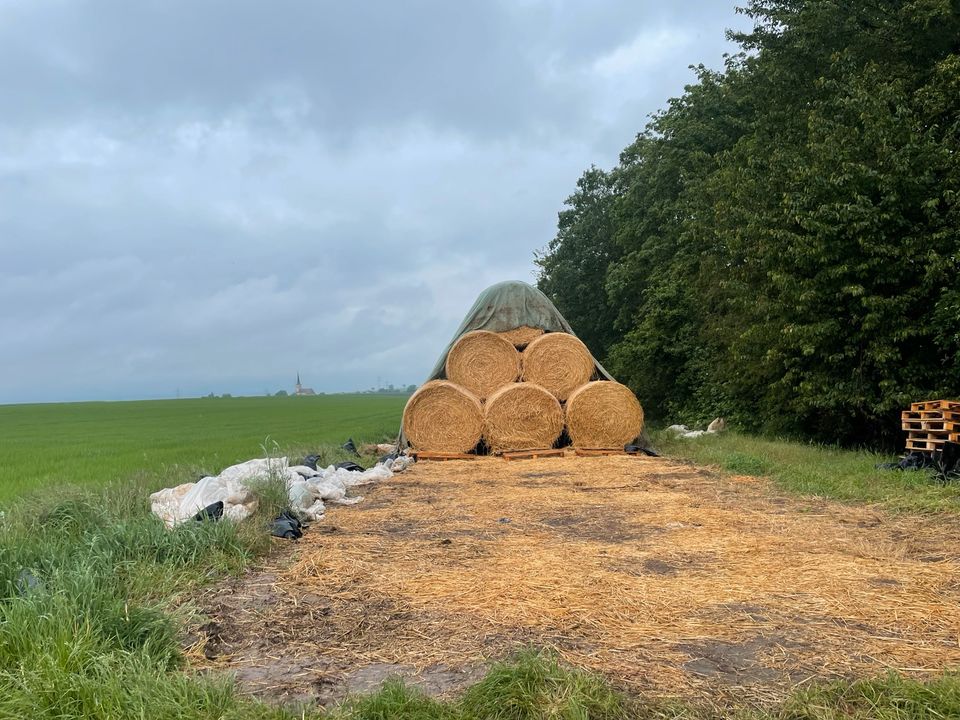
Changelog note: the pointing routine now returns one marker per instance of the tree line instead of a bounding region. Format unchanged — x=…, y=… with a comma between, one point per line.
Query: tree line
x=779, y=245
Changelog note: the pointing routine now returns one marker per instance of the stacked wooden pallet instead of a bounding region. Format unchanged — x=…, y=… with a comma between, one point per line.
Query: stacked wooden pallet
x=931, y=423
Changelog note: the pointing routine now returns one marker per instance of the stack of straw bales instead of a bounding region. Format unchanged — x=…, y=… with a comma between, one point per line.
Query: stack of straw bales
x=519, y=390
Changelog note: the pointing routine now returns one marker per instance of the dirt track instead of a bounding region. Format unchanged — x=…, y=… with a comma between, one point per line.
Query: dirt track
x=667, y=578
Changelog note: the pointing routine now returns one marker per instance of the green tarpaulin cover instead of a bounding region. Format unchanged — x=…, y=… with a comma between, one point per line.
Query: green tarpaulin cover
x=506, y=306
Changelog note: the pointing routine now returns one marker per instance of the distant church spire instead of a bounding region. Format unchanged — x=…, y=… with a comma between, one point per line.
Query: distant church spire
x=300, y=389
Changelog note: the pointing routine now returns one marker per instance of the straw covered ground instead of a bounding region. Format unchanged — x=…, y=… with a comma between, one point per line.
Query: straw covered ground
x=668, y=579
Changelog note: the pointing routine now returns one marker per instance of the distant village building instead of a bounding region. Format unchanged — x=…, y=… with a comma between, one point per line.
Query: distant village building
x=299, y=389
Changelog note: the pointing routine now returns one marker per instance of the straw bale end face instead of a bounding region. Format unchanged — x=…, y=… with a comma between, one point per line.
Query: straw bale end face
x=559, y=362
x=603, y=414
x=521, y=336
x=522, y=416
x=441, y=416
x=482, y=361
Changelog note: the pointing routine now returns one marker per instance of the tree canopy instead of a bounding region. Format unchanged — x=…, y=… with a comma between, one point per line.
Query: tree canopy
x=780, y=244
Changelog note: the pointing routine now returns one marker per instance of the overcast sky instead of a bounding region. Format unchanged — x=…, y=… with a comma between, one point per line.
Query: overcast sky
x=210, y=195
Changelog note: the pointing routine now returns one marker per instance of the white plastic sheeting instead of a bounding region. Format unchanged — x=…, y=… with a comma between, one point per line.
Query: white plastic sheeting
x=683, y=431
x=307, y=489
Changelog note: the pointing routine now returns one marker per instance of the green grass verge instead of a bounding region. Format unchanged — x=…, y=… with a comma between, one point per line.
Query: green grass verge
x=823, y=471
x=174, y=440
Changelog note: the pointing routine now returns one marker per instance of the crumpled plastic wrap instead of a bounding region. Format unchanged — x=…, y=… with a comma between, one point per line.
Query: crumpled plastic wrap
x=308, y=490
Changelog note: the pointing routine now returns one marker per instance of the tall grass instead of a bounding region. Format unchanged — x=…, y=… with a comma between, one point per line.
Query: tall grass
x=818, y=470
x=86, y=582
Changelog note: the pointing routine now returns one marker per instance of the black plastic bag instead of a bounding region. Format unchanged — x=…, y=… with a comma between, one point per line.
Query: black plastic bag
x=649, y=452
x=213, y=511
x=348, y=465
x=349, y=446
x=287, y=526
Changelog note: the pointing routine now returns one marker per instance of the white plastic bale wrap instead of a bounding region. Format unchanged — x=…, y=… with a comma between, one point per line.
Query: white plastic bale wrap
x=307, y=489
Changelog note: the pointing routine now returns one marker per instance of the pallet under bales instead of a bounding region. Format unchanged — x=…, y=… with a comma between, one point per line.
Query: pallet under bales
x=669, y=580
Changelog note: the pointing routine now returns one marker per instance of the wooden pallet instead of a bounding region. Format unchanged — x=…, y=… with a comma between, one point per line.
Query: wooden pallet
x=532, y=454
x=938, y=435
x=931, y=423
x=599, y=452
x=951, y=415
x=927, y=445
x=914, y=415
x=932, y=426
x=935, y=405
x=429, y=455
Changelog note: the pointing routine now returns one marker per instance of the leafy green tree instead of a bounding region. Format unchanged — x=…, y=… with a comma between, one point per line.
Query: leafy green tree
x=780, y=244
x=573, y=269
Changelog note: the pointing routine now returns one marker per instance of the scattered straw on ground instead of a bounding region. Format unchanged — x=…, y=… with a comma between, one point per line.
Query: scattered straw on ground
x=666, y=578
x=521, y=416
x=560, y=362
x=482, y=362
x=603, y=414
x=444, y=417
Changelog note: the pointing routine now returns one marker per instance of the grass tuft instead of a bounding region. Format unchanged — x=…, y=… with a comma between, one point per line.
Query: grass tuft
x=535, y=686
x=397, y=701
x=889, y=698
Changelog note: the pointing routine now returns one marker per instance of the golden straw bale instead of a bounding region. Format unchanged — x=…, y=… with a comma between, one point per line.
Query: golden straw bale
x=558, y=361
x=482, y=361
x=522, y=416
x=522, y=336
x=603, y=414
x=441, y=416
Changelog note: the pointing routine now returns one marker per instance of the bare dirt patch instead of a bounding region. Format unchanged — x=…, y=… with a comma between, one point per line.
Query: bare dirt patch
x=669, y=580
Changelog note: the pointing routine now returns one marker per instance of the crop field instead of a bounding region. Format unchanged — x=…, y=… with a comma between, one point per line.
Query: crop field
x=172, y=441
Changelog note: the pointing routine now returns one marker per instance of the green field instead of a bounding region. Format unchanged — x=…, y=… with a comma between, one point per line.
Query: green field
x=173, y=441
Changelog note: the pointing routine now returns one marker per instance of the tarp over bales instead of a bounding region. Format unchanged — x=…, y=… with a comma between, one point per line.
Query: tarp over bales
x=505, y=306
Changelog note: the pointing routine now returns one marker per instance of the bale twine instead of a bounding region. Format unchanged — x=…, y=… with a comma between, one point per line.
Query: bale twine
x=603, y=414
x=522, y=416
x=441, y=416
x=559, y=362
x=482, y=361
x=522, y=336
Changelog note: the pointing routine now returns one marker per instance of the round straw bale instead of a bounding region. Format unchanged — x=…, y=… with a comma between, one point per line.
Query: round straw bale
x=559, y=362
x=441, y=416
x=482, y=361
x=603, y=414
x=522, y=336
x=522, y=416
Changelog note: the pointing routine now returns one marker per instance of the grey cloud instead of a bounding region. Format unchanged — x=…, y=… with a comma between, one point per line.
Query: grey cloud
x=212, y=195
